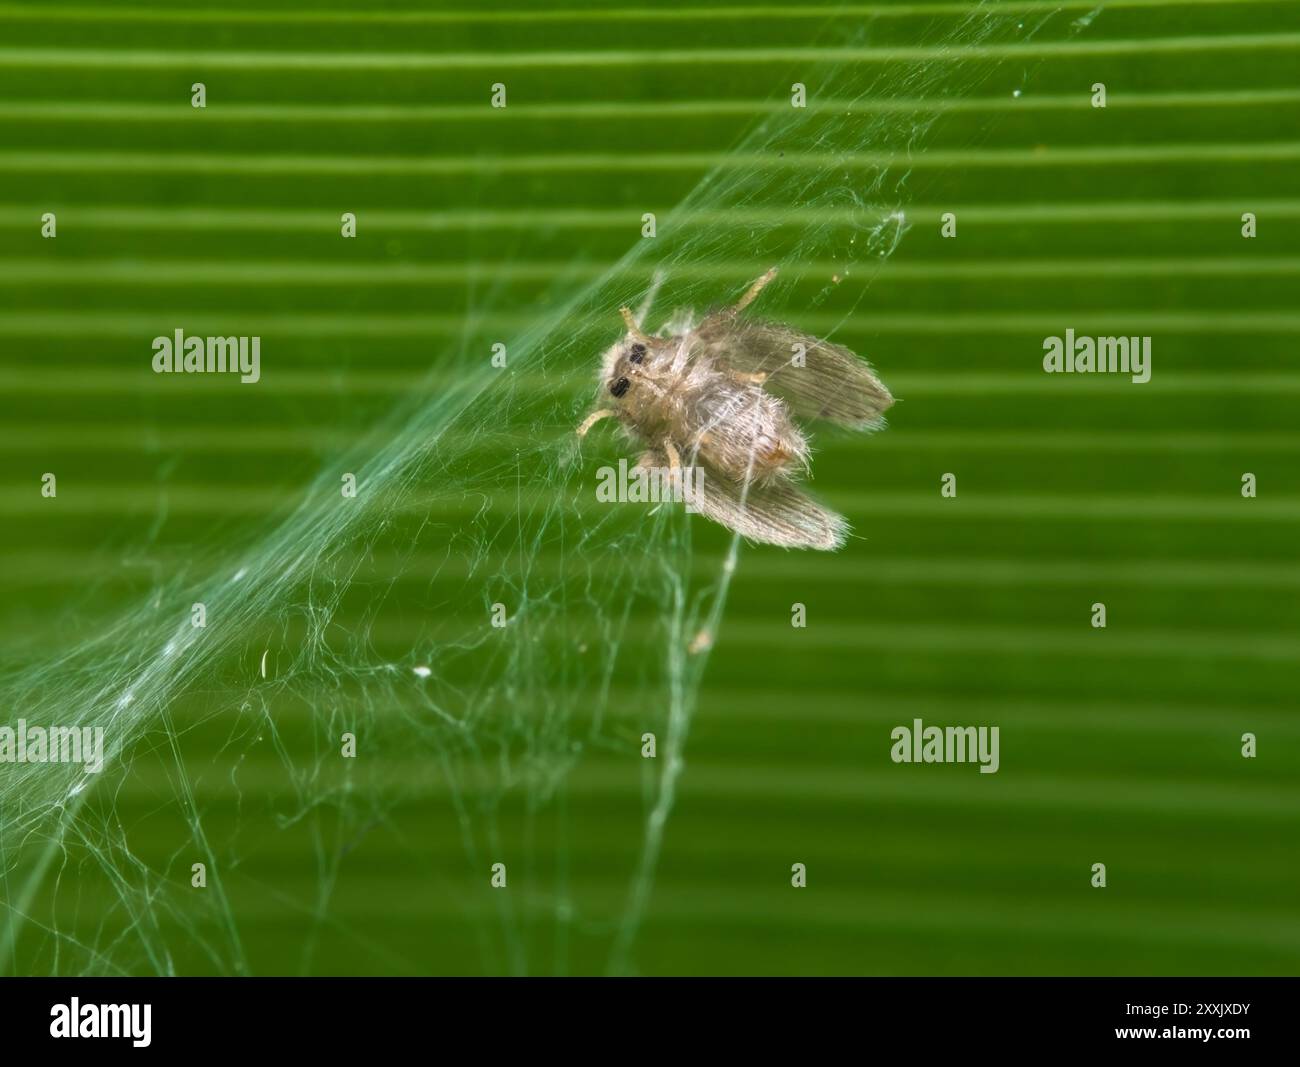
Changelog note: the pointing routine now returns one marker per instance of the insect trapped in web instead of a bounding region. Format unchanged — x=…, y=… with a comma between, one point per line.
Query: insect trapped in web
x=722, y=396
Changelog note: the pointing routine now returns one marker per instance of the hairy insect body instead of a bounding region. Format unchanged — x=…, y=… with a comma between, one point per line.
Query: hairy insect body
x=745, y=433
x=730, y=425
x=721, y=395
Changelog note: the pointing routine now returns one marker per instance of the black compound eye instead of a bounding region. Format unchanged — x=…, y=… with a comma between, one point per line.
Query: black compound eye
x=637, y=354
x=619, y=387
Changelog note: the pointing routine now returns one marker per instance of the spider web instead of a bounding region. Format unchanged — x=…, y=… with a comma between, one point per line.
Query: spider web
x=477, y=496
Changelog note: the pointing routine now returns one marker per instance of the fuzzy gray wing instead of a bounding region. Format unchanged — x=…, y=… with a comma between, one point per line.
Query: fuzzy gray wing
x=773, y=514
x=832, y=384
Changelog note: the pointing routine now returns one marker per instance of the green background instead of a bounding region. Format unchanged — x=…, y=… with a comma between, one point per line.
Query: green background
x=1120, y=746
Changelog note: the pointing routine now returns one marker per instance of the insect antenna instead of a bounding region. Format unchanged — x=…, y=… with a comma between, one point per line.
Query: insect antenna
x=634, y=328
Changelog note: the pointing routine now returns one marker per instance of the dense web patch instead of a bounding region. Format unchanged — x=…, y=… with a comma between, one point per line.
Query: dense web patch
x=478, y=489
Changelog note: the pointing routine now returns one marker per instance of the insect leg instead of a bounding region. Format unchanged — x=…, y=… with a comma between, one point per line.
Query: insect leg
x=674, y=463
x=753, y=292
x=593, y=418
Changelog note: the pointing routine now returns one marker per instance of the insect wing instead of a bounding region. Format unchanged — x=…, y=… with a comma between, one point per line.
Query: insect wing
x=774, y=514
x=816, y=379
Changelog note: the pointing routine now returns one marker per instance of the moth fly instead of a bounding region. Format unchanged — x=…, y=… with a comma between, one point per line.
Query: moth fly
x=722, y=395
